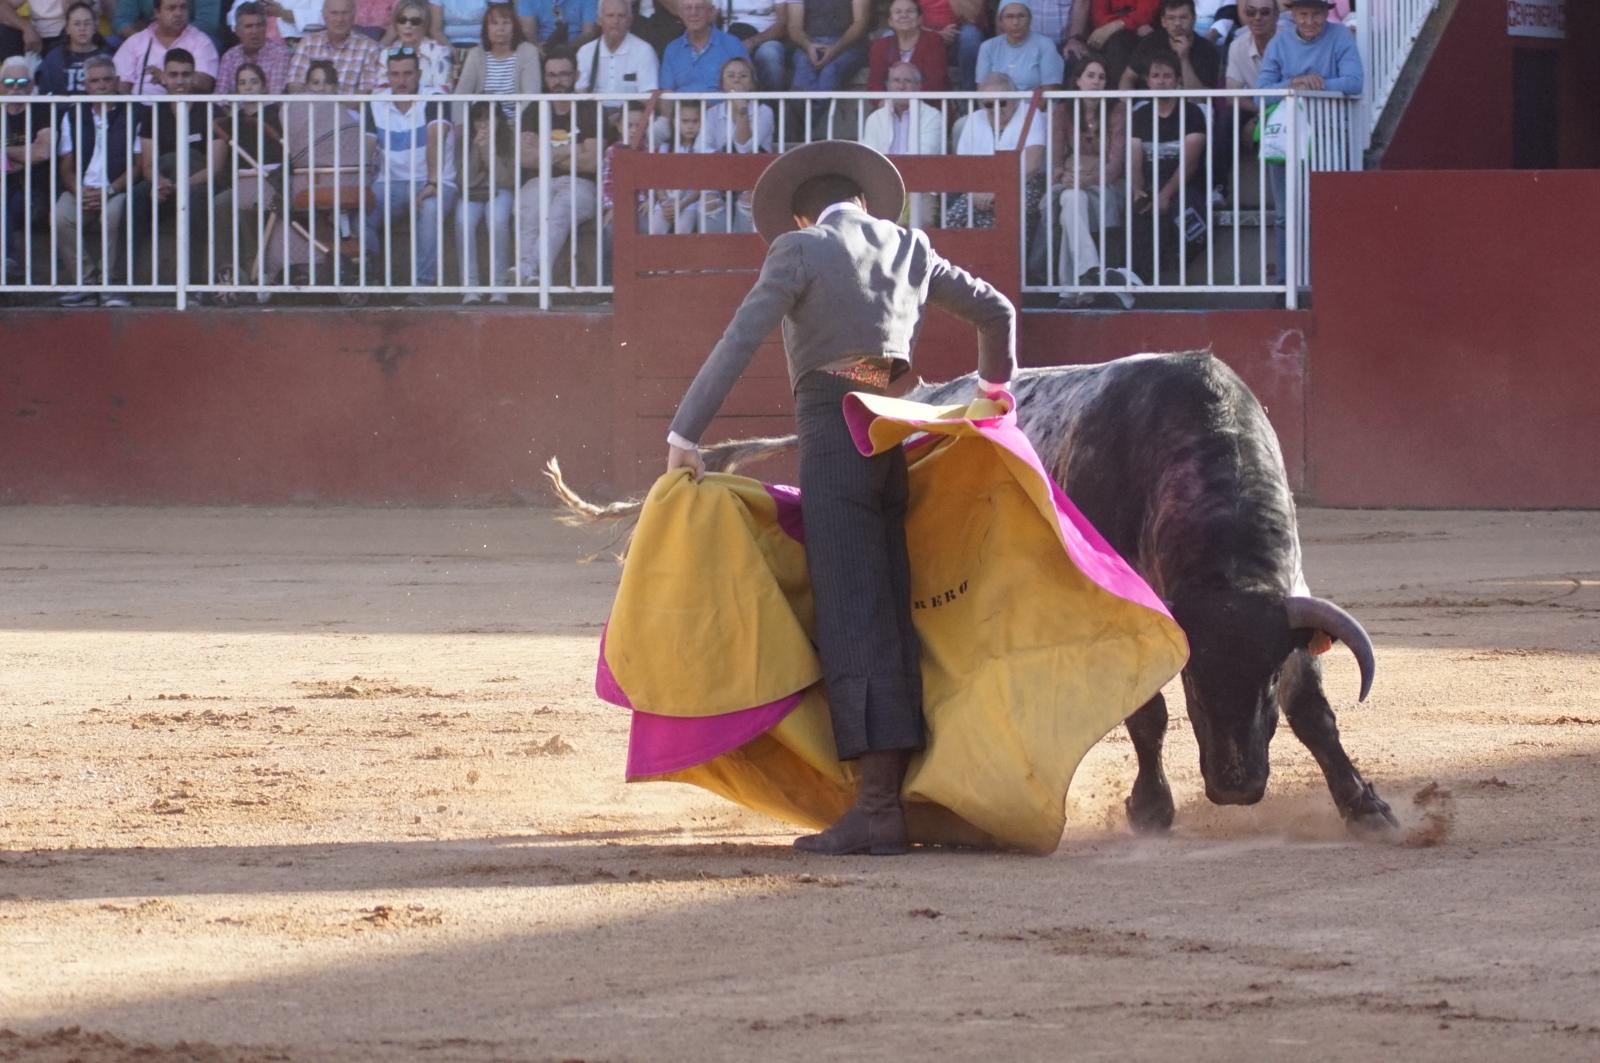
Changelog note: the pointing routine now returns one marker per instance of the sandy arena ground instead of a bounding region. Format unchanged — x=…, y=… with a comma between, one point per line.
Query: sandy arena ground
x=332, y=785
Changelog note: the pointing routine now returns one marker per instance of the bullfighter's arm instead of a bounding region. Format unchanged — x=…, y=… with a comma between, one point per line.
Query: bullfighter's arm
x=782, y=282
x=954, y=290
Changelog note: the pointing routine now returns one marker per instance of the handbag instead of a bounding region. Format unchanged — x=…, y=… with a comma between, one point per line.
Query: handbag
x=1272, y=132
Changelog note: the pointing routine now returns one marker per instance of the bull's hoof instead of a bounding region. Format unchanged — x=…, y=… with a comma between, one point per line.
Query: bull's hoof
x=1368, y=814
x=1149, y=810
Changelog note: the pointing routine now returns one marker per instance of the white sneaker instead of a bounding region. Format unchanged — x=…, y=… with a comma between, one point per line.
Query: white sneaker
x=115, y=299
x=471, y=299
x=500, y=298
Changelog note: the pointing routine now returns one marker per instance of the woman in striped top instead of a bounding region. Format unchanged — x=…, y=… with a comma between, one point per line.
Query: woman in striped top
x=505, y=61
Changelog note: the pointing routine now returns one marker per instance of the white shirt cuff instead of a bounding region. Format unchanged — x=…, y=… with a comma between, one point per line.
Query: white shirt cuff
x=989, y=390
x=681, y=443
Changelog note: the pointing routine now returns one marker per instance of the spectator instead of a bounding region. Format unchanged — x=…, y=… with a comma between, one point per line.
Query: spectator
x=1201, y=65
x=1115, y=29
x=375, y=19
x=960, y=25
x=1172, y=132
x=617, y=62
x=162, y=158
x=829, y=38
x=489, y=192
x=1314, y=57
x=18, y=35
x=273, y=57
x=287, y=20
x=763, y=26
x=693, y=62
x=458, y=23
x=569, y=22
x=416, y=168
x=132, y=16
x=504, y=62
x=94, y=179
x=143, y=55
x=322, y=78
x=979, y=136
x=908, y=42
x=742, y=126
x=1245, y=54
x=905, y=127
x=253, y=133
x=660, y=209
x=1029, y=59
x=61, y=72
x=1052, y=20
x=409, y=29
x=577, y=136
x=29, y=150
x=657, y=24
x=356, y=58
x=1087, y=175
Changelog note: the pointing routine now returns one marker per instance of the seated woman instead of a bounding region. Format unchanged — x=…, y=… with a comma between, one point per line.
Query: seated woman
x=908, y=42
x=1087, y=175
x=504, y=61
x=998, y=127
x=742, y=126
x=435, y=61
x=61, y=72
x=489, y=191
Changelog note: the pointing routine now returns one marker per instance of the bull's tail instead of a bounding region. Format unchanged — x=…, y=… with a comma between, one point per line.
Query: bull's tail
x=719, y=457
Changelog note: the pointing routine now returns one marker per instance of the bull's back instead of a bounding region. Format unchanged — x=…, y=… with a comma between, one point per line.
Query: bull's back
x=1168, y=455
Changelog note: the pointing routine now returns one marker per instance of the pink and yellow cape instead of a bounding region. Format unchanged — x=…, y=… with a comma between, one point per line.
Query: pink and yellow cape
x=1037, y=638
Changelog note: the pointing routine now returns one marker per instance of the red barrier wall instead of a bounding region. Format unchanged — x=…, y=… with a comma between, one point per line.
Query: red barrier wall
x=154, y=406
x=1456, y=361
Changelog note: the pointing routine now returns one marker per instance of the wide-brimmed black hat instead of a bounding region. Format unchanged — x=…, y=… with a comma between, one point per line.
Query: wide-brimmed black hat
x=881, y=184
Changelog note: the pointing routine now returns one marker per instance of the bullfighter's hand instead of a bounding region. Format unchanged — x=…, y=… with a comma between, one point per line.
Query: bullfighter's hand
x=679, y=458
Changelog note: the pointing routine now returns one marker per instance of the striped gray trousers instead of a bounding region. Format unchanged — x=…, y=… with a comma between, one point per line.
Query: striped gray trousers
x=854, y=509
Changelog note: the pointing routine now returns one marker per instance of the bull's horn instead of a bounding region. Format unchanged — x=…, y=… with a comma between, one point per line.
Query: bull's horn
x=1322, y=615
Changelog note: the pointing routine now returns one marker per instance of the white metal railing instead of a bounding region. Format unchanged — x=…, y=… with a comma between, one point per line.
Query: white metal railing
x=1386, y=31
x=279, y=194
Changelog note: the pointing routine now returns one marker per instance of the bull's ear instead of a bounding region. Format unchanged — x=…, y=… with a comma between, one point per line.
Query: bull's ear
x=1311, y=639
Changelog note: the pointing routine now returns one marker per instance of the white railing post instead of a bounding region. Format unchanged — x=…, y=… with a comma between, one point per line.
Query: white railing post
x=1291, y=206
x=181, y=237
x=542, y=250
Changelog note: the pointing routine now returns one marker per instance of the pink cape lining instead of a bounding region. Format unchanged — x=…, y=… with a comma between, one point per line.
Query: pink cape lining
x=659, y=745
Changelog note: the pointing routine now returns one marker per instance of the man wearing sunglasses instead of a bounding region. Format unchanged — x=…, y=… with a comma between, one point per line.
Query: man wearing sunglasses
x=28, y=147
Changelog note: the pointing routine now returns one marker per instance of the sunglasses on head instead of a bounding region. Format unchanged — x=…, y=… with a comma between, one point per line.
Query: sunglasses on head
x=404, y=52
x=16, y=83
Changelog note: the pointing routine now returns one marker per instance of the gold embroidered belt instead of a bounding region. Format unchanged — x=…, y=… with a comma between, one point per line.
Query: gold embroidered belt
x=863, y=374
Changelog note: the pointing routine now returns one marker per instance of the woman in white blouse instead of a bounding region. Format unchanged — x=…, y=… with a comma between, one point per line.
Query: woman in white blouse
x=435, y=60
x=742, y=126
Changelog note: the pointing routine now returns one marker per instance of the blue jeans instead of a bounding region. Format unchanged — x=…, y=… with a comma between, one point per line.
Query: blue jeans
x=497, y=213
x=771, y=61
x=397, y=198
x=968, y=41
x=835, y=75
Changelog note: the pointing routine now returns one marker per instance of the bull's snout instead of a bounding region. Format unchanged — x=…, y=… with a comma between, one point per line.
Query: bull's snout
x=1243, y=794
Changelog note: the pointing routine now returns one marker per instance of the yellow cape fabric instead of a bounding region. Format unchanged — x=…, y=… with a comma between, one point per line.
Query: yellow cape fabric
x=1027, y=662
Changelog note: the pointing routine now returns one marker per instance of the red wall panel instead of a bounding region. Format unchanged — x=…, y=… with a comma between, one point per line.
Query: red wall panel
x=310, y=406
x=1455, y=350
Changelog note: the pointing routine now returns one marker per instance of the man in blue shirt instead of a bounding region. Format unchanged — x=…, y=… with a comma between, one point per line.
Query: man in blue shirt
x=693, y=62
x=569, y=22
x=1316, y=57
x=1029, y=59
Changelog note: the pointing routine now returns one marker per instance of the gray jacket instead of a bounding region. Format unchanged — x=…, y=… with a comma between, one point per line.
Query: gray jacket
x=853, y=285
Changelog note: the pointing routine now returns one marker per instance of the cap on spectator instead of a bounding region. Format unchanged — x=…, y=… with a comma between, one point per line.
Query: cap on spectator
x=880, y=182
x=1012, y=3
x=1322, y=4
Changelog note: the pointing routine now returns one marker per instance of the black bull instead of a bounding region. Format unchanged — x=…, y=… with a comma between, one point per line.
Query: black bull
x=1172, y=459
